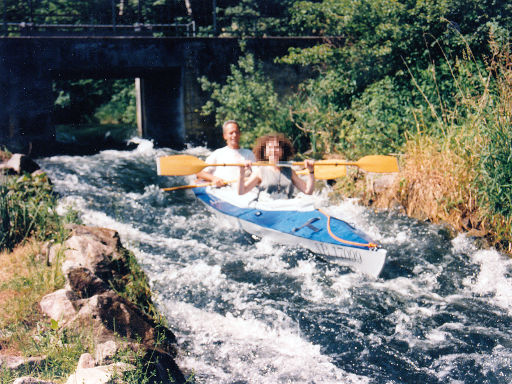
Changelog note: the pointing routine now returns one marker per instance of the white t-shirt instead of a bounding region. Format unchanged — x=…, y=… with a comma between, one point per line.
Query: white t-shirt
x=228, y=155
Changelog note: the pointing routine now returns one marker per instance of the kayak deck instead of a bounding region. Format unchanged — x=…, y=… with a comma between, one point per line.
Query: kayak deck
x=313, y=229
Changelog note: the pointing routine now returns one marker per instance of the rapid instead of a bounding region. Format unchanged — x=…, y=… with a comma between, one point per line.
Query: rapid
x=251, y=311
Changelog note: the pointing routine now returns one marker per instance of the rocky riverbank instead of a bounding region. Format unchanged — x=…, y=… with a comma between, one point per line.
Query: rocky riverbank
x=103, y=299
x=95, y=265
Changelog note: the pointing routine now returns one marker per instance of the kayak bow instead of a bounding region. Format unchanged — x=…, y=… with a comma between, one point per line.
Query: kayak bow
x=336, y=240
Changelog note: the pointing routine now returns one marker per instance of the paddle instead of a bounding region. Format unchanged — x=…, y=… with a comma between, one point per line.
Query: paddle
x=337, y=171
x=371, y=163
x=181, y=165
x=193, y=186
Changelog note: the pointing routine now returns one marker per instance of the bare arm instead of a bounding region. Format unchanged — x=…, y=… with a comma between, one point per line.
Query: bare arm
x=209, y=177
x=306, y=186
x=245, y=185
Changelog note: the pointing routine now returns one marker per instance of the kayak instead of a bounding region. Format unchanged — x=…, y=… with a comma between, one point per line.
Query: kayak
x=334, y=239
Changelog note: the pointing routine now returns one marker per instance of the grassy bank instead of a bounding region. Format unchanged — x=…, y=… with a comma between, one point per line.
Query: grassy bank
x=25, y=278
x=29, y=226
x=460, y=176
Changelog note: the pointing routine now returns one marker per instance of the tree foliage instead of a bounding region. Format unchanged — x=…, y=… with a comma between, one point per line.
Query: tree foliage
x=248, y=96
x=253, y=18
x=86, y=101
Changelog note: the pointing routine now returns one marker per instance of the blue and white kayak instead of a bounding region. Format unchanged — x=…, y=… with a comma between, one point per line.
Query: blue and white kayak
x=336, y=240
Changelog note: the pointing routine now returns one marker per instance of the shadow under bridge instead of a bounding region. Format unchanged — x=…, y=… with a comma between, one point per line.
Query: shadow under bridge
x=167, y=70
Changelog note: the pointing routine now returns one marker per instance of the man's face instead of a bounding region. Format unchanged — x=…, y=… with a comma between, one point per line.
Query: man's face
x=232, y=135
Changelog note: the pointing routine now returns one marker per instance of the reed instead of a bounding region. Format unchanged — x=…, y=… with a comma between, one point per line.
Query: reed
x=462, y=176
x=435, y=184
x=28, y=209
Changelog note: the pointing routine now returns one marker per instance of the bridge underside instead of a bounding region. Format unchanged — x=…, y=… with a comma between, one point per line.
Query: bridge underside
x=168, y=69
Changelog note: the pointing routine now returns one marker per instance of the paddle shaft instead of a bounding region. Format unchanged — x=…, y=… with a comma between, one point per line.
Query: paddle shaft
x=181, y=165
x=190, y=186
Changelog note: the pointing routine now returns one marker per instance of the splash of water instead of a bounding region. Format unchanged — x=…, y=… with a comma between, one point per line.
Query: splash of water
x=251, y=311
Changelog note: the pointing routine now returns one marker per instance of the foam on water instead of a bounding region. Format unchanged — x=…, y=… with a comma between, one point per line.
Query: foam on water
x=493, y=279
x=257, y=312
x=236, y=349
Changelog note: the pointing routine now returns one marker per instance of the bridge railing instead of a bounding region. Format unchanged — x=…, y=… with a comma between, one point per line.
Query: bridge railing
x=82, y=17
x=30, y=29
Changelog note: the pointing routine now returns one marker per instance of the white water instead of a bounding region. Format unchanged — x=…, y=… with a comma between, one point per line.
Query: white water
x=257, y=312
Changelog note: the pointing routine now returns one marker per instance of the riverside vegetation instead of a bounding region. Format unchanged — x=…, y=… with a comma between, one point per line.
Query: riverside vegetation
x=29, y=224
x=454, y=153
x=429, y=81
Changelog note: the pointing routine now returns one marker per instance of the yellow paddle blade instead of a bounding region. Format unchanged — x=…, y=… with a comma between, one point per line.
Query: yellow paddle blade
x=372, y=163
x=329, y=171
x=179, y=165
x=378, y=163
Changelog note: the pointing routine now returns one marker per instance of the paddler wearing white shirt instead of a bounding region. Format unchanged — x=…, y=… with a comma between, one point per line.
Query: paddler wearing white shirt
x=231, y=153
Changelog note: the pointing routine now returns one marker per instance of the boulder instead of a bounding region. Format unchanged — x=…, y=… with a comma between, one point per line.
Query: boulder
x=99, y=375
x=112, y=313
x=18, y=164
x=86, y=361
x=377, y=183
x=31, y=380
x=20, y=362
x=163, y=366
x=59, y=305
x=53, y=253
x=105, y=351
x=95, y=249
x=84, y=283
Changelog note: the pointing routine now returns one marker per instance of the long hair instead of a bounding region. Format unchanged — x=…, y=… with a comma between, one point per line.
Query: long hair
x=284, y=143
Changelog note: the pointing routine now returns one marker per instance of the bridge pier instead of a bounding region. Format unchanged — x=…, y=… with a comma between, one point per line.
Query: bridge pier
x=161, y=108
x=26, y=104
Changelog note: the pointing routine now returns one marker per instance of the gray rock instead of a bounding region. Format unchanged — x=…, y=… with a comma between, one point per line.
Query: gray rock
x=86, y=361
x=31, y=380
x=18, y=164
x=84, y=283
x=99, y=375
x=59, y=305
x=18, y=362
x=112, y=313
x=105, y=351
x=95, y=249
x=379, y=182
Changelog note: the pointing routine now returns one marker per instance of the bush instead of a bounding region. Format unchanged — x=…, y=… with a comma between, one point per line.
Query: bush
x=379, y=120
x=121, y=108
x=248, y=96
x=495, y=180
x=28, y=208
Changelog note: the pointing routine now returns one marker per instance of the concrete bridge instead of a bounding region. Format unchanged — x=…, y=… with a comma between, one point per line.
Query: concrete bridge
x=168, y=69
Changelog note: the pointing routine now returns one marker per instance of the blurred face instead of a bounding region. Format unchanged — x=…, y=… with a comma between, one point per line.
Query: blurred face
x=273, y=150
x=231, y=134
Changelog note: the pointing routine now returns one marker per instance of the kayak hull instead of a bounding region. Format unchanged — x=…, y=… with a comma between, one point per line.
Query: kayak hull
x=336, y=240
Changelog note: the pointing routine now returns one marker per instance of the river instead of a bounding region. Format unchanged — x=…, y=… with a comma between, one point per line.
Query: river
x=248, y=311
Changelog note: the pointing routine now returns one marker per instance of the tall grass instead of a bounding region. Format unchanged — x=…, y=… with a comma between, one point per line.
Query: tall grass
x=28, y=209
x=463, y=175
x=25, y=278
